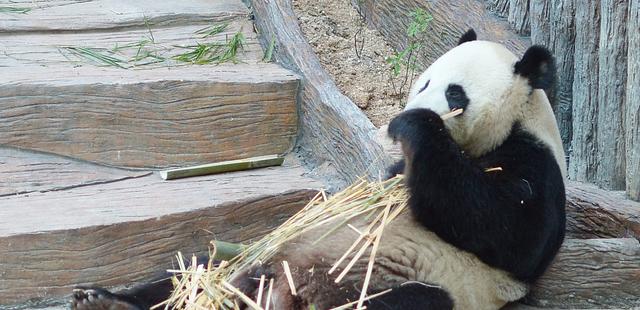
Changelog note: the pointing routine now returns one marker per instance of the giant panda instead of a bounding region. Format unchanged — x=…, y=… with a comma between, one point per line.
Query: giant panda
x=474, y=237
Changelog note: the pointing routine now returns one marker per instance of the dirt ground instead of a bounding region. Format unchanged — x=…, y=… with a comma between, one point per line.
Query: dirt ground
x=359, y=69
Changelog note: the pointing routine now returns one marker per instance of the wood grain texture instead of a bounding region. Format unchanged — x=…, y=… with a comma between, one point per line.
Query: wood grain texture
x=632, y=123
x=335, y=136
x=519, y=16
x=23, y=172
x=540, y=23
x=83, y=15
x=38, y=49
x=44, y=267
x=140, y=199
x=610, y=172
x=116, y=233
x=499, y=7
x=451, y=20
x=598, y=213
x=561, y=43
x=150, y=118
x=583, y=156
x=592, y=273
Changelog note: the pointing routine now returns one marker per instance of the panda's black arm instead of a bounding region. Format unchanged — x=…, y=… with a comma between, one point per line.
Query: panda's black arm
x=512, y=219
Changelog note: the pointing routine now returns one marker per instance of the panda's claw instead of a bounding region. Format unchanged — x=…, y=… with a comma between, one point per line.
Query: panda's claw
x=98, y=299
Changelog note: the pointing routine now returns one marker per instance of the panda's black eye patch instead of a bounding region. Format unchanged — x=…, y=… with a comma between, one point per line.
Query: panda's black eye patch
x=456, y=97
x=424, y=87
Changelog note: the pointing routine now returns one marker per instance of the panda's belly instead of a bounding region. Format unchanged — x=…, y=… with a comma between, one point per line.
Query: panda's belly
x=407, y=252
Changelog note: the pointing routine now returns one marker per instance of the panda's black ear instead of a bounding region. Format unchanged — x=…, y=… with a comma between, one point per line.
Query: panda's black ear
x=470, y=35
x=538, y=66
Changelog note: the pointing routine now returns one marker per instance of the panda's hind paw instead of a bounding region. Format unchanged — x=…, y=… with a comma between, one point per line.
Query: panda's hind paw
x=98, y=299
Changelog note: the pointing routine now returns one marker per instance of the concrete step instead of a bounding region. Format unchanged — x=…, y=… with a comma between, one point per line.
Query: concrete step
x=110, y=227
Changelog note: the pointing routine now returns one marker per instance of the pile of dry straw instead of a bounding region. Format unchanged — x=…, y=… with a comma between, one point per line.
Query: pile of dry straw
x=197, y=287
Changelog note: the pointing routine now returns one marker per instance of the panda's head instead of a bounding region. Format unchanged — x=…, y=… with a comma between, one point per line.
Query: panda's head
x=495, y=88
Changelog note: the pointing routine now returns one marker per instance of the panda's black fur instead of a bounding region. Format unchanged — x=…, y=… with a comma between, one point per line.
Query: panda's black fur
x=513, y=220
x=506, y=225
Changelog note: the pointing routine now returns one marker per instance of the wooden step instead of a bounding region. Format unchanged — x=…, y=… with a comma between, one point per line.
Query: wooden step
x=156, y=112
x=122, y=231
x=150, y=118
x=49, y=50
x=24, y=172
x=65, y=15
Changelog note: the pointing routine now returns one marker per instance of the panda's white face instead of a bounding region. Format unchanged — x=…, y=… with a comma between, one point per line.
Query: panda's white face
x=477, y=76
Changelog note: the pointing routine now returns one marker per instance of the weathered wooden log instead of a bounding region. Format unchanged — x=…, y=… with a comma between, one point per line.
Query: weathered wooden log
x=561, y=44
x=596, y=213
x=519, y=16
x=610, y=172
x=632, y=125
x=593, y=273
x=499, y=7
x=335, y=135
x=451, y=18
x=583, y=155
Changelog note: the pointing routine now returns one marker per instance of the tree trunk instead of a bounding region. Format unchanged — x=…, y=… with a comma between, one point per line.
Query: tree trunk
x=561, y=42
x=592, y=273
x=519, y=16
x=539, y=12
x=632, y=124
x=500, y=7
x=610, y=172
x=583, y=155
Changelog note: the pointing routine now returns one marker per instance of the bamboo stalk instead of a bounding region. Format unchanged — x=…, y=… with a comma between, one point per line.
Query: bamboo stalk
x=451, y=114
x=372, y=257
x=345, y=306
x=269, y=294
x=224, y=166
x=287, y=273
x=242, y=296
x=260, y=289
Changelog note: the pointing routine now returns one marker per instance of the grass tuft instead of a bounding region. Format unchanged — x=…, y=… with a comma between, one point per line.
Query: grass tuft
x=268, y=53
x=212, y=30
x=100, y=57
x=214, y=52
x=146, y=51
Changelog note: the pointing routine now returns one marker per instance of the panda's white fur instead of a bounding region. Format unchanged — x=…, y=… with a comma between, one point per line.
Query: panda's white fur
x=408, y=252
x=485, y=70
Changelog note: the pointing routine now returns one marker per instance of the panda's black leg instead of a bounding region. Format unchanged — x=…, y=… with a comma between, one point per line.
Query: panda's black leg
x=139, y=297
x=413, y=296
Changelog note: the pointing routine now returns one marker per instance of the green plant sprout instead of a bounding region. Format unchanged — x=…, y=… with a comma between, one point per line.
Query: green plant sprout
x=404, y=63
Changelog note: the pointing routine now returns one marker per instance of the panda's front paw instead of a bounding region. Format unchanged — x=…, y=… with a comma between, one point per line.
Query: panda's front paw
x=412, y=125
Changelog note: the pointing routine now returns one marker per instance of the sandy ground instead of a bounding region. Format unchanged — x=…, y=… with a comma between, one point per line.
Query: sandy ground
x=359, y=69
